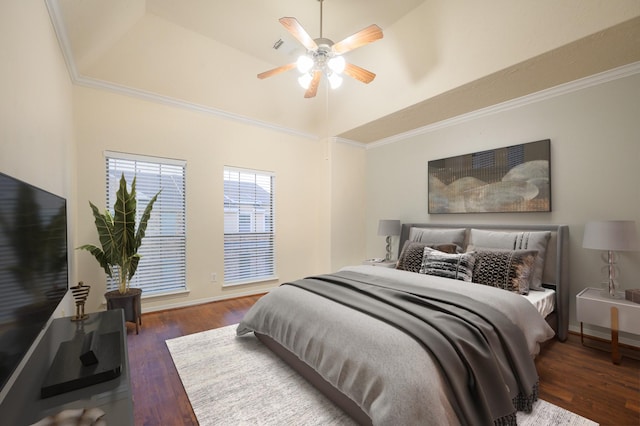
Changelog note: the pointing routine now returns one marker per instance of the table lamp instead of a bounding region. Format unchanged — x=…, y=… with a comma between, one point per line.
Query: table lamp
x=611, y=236
x=389, y=228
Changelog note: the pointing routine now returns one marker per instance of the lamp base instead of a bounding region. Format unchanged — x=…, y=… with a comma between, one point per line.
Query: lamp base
x=608, y=293
x=388, y=254
x=605, y=293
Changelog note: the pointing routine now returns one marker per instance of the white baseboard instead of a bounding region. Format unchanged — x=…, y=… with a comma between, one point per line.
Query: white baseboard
x=204, y=300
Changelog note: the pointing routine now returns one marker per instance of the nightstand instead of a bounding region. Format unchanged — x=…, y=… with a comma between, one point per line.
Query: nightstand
x=617, y=314
x=383, y=263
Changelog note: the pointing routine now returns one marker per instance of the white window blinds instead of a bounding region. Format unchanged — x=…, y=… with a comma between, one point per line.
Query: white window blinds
x=248, y=226
x=162, y=267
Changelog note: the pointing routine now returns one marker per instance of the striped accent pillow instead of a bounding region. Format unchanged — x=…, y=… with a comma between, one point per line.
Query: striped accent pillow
x=454, y=266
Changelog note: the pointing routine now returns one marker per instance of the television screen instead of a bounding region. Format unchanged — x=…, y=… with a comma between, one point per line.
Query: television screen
x=33, y=266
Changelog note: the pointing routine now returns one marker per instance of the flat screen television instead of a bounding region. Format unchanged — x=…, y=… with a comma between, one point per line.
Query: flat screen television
x=33, y=267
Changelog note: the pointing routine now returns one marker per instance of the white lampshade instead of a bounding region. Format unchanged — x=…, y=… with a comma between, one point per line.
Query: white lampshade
x=614, y=235
x=389, y=227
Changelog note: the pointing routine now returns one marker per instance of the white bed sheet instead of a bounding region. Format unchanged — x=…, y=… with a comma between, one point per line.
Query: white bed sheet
x=544, y=301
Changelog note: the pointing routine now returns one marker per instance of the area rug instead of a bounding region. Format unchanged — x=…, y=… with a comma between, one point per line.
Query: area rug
x=238, y=381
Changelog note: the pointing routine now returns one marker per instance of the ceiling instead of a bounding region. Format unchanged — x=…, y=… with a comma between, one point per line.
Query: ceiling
x=192, y=49
x=250, y=26
x=229, y=21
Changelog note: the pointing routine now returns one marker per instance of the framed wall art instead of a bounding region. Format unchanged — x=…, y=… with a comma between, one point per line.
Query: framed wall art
x=510, y=179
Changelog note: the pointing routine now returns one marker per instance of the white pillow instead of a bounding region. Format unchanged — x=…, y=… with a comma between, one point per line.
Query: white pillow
x=458, y=266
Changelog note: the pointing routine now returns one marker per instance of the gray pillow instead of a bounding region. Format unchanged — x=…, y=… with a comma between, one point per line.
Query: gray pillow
x=515, y=240
x=438, y=235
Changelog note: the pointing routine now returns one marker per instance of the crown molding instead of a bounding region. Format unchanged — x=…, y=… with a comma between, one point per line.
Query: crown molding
x=191, y=106
x=61, y=34
x=562, y=89
x=349, y=142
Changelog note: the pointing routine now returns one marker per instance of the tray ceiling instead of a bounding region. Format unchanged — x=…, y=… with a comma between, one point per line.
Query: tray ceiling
x=208, y=53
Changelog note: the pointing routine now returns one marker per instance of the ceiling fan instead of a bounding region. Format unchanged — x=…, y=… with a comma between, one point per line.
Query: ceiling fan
x=324, y=57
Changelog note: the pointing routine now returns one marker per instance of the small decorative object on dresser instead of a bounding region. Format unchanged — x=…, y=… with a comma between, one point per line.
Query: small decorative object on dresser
x=80, y=294
x=611, y=236
x=632, y=295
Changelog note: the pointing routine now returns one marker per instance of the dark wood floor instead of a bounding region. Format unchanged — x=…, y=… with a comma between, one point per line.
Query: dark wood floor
x=572, y=376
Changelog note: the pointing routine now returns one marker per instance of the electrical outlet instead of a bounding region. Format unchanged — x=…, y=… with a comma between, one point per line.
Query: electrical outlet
x=214, y=277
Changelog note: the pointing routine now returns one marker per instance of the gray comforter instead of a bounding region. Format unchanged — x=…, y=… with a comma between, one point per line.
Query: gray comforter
x=386, y=372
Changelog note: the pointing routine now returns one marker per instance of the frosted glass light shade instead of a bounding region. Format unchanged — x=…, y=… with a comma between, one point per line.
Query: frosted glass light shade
x=337, y=64
x=304, y=64
x=334, y=80
x=305, y=80
x=614, y=235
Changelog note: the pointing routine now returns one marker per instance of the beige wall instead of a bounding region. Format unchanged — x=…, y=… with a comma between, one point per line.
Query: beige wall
x=107, y=121
x=36, y=128
x=348, y=204
x=595, y=152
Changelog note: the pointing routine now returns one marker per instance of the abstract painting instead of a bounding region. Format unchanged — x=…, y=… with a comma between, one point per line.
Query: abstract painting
x=511, y=179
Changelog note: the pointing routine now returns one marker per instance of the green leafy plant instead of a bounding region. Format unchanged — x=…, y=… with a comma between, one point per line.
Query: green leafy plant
x=119, y=238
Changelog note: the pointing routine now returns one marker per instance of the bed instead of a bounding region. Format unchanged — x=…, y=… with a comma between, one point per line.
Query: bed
x=396, y=346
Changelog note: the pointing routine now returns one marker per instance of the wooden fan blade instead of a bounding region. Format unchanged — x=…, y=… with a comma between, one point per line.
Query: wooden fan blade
x=275, y=71
x=313, y=87
x=358, y=73
x=362, y=37
x=293, y=26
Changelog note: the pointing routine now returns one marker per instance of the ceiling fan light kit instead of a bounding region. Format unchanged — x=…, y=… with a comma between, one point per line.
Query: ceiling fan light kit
x=324, y=57
x=304, y=64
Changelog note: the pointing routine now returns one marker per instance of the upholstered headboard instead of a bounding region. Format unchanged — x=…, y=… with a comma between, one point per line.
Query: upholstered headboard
x=556, y=266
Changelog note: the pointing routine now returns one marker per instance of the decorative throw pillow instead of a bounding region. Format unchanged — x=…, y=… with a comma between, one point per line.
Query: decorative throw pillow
x=411, y=256
x=515, y=240
x=458, y=266
x=511, y=270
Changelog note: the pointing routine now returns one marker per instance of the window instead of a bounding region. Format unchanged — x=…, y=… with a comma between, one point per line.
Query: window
x=248, y=226
x=162, y=267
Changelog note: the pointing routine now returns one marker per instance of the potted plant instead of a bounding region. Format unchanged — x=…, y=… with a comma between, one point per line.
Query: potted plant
x=120, y=241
